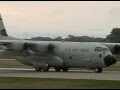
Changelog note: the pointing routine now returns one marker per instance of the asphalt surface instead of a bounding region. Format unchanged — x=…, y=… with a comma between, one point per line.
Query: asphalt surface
x=71, y=74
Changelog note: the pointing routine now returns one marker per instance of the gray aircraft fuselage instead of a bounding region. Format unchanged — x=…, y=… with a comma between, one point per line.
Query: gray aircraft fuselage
x=68, y=54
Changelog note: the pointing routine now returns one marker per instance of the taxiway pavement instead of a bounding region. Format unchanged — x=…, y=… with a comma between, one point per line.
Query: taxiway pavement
x=71, y=74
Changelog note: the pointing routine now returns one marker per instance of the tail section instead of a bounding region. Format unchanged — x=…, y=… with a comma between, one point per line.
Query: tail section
x=3, y=33
x=2, y=28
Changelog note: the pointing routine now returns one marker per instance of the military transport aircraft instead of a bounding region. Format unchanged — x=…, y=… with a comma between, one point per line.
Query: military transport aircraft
x=61, y=55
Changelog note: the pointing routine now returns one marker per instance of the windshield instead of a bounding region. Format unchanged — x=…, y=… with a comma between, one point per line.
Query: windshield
x=99, y=49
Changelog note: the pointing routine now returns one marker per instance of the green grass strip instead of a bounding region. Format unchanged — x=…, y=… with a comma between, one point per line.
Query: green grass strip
x=49, y=83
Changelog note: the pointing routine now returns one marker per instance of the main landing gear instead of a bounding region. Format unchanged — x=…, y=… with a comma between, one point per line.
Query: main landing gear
x=45, y=69
x=58, y=69
x=64, y=69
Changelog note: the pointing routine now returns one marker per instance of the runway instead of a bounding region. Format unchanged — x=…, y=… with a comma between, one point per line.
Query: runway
x=71, y=74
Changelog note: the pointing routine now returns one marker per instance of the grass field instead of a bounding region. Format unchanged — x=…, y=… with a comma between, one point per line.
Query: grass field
x=48, y=83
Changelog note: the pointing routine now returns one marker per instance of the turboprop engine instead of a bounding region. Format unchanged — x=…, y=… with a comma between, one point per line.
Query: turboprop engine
x=114, y=48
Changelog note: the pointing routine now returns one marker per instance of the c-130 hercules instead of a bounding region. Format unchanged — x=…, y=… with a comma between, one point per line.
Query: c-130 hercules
x=58, y=54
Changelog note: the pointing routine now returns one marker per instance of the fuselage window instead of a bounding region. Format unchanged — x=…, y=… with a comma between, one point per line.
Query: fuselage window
x=105, y=49
x=99, y=49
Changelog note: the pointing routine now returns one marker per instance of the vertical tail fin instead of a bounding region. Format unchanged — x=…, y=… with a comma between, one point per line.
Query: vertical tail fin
x=2, y=28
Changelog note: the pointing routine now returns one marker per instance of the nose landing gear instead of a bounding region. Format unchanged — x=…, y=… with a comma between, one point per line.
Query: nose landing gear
x=98, y=70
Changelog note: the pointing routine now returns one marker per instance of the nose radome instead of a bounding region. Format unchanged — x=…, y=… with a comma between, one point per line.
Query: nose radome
x=109, y=60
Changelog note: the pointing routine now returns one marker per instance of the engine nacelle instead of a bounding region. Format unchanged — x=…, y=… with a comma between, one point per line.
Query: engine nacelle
x=15, y=46
x=113, y=47
x=44, y=48
x=56, y=61
x=116, y=49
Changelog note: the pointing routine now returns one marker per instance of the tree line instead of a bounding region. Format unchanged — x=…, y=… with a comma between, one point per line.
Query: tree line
x=114, y=36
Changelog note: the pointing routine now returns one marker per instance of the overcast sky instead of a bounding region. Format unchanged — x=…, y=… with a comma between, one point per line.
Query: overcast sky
x=25, y=19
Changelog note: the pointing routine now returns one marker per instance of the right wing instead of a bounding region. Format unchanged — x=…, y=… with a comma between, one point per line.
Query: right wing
x=113, y=47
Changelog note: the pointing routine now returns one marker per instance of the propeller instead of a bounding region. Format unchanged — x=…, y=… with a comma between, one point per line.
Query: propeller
x=27, y=48
x=117, y=48
x=50, y=49
x=39, y=48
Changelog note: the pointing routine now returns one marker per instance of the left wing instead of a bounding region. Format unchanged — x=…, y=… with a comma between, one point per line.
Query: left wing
x=22, y=45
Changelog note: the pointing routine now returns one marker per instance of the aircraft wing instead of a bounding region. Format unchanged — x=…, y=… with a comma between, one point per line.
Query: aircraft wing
x=21, y=45
x=3, y=42
x=37, y=48
x=16, y=45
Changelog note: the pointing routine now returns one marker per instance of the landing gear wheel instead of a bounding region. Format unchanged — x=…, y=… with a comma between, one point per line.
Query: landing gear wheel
x=65, y=69
x=57, y=69
x=98, y=70
x=46, y=69
x=38, y=69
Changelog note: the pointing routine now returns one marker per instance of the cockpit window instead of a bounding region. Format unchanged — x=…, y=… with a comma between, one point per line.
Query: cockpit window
x=99, y=49
x=105, y=49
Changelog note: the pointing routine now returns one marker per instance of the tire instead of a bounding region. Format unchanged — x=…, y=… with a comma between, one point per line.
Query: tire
x=98, y=70
x=38, y=69
x=65, y=69
x=46, y=69
x=57, y=69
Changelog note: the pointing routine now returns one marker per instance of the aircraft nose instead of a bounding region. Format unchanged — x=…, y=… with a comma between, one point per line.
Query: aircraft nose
x=109, y=60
